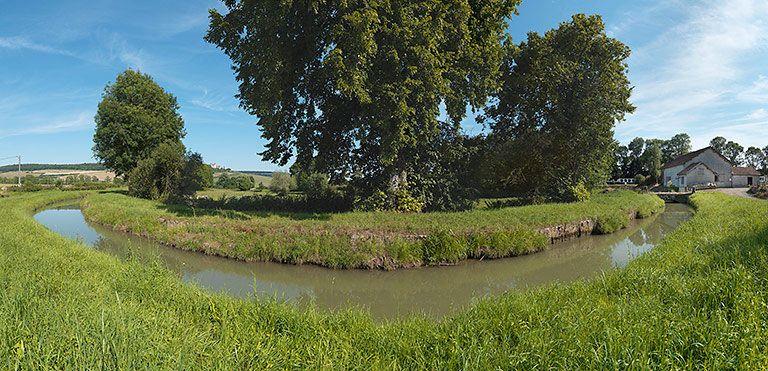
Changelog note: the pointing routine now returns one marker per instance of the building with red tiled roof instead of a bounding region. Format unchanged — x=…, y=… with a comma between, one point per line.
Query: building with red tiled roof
x=707, y=167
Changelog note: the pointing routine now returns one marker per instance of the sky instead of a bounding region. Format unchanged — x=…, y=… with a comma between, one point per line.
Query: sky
x=698, y=66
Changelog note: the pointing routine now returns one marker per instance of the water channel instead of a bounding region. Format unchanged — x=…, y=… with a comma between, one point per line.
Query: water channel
x=433, y=291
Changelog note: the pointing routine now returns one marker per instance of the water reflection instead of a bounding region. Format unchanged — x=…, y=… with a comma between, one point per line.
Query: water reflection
x=434, y=291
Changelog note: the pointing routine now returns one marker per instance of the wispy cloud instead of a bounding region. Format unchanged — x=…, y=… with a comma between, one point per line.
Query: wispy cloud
x=757, y=92
x=700, y=68
x=22, y=43
x=758, y=114
x=82, y=121
x=215, y=102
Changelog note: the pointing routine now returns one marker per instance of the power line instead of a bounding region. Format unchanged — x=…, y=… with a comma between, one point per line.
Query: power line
x=19, y=158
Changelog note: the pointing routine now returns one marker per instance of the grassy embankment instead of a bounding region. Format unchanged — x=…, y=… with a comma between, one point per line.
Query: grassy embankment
x=363, y=240
x=697, y=301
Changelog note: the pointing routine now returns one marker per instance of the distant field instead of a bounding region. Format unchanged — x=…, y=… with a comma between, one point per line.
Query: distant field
x=99, y=171
x=102, y=175
x=37, y=167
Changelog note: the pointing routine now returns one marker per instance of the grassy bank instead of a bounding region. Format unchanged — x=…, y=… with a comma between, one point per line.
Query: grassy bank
x=362, y=240
x=697, y=301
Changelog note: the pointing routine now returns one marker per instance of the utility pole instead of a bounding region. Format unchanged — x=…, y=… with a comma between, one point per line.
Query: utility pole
x=19, y=162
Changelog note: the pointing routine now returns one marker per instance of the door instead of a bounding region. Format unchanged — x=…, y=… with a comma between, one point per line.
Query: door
x=750, y=181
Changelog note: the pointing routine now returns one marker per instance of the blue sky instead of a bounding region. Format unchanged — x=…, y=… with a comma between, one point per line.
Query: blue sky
x=697, y=66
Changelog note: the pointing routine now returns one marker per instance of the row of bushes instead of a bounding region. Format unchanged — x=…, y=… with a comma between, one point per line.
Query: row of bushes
x=58, y=181
x=238, y=183
x=329, y=202
x=35, y=187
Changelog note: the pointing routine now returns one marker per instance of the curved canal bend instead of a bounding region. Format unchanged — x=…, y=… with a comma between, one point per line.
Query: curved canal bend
x=434, y=291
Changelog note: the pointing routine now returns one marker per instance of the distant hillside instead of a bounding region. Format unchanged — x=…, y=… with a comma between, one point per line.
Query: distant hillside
x=260, y=173
x=37, y=167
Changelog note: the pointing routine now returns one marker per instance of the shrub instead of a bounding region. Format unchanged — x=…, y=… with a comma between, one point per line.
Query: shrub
x=333, y=201
x=398, y=200
x=577, y=193
x=501, y=244
x=611, y=222
x=205, y=174
x=167, y=174
x=444, y=248
x=314, y=185
x=239, y=183
x=282, y=183
x=640, y=179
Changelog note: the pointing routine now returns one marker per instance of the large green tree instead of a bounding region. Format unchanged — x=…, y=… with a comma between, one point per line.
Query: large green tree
x=652, y=160
x=718, y=144
x=563, y=93
x=134, y=117
x=734, y=152
x=354, y=88
x=755, y=157
x=680, y=144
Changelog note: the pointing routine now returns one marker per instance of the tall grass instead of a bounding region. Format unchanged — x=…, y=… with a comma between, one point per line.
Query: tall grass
x=697, y=301
x=358, y=239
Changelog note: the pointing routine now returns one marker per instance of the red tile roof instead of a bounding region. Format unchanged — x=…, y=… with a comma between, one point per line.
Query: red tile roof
x=681, y=160
x=746, y=171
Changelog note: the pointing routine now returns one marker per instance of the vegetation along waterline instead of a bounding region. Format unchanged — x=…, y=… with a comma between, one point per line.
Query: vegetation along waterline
x=65, y=306
x=366, y=239
x=434, y=292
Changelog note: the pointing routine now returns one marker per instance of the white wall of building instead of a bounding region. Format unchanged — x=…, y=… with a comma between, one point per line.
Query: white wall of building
x=722, y=169
x=741, y=181
x=670, y=176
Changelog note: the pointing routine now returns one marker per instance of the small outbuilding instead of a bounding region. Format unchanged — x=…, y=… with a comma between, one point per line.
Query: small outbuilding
x=746, y=177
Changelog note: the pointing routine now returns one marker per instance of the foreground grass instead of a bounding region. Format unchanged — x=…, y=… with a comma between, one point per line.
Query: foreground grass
x=363, y=240
x=697, y=301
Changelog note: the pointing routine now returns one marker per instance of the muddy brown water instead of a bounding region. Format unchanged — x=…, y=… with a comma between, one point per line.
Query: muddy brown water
x=435, y=291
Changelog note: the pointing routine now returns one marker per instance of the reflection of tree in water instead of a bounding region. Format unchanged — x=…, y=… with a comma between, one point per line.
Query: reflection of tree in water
x=390, y=294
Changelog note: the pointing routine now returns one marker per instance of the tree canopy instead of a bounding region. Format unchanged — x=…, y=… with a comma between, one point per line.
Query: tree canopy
x=170, y=173
x=647, y=156
x=718, y=144
x=134, y=117
x=563, y=92
x=355, y=88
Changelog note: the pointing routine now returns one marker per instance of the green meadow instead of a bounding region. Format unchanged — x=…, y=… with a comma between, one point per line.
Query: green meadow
x=697, y=301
